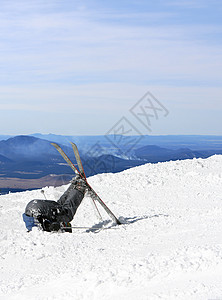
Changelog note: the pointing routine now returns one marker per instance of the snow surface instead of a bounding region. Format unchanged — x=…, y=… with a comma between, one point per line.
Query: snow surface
x=169, y=248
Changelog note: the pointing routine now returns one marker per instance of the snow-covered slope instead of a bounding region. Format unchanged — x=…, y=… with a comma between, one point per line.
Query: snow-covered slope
x=170, y=248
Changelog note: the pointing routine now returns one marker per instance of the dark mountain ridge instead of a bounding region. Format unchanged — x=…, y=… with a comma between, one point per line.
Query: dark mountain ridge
x=29, y=158
x=28, y=148
x=154, y=154
x=4, y=159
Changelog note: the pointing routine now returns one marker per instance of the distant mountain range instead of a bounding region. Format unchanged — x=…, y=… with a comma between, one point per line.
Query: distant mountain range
x=26, y=159
x=156, y=154
x=28, y=148
x=193, y=142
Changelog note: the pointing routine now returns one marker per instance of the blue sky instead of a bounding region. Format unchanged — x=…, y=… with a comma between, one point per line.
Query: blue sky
x=77, y=67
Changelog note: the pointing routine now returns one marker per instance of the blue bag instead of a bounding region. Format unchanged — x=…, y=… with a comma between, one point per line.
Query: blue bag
x=29, y=222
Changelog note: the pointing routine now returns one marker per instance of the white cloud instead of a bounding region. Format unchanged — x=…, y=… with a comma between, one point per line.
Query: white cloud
x=158, y=52
x=55, y=61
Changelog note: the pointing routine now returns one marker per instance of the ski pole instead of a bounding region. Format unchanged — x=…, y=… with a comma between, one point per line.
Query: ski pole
x=42, y=191
x=89, y=228
x=82, y=227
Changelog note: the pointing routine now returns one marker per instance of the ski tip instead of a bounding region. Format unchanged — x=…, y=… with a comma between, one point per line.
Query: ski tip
x=73, y=144
x=54, y=144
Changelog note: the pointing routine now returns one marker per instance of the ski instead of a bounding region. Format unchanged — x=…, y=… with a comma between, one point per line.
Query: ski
x=78, y=159
x=72, y=166
x=80, y=166
x=95, y=196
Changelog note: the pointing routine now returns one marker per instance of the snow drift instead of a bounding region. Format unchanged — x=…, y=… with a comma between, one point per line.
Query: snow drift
x=170, y=246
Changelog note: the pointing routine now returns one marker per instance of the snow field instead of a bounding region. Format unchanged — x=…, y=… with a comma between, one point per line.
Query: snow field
x=170, y=246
